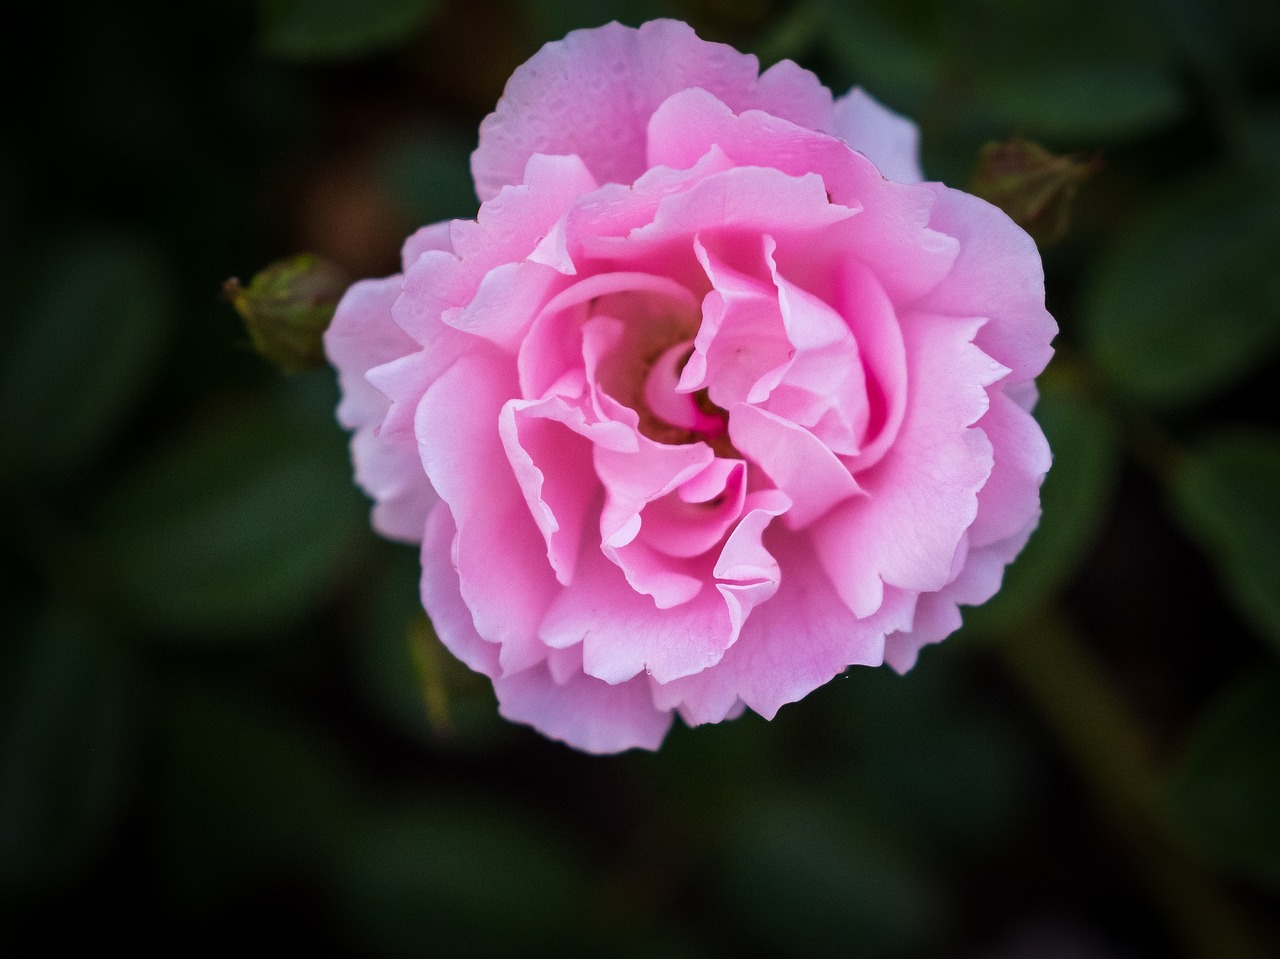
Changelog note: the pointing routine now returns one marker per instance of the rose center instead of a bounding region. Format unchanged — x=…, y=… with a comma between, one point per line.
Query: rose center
x=670, y=415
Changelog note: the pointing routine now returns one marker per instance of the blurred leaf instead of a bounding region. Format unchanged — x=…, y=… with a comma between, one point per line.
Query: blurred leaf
x=238, y=527
x=65, y=748
x=87, y=342
x=1226, y=790
x=393, y=681
x=891, y=48
x=972, y=776
x=1033, y=186
x=338, y=29
x=428, y=175
x=1189, y=300
x=1075, y=500
x=249, y=794
x=1080, y=102
x=287, y=307
x=805, y=878
x=1077, y=70
x=450, y=875
x=1227, y=492
x=552, y=19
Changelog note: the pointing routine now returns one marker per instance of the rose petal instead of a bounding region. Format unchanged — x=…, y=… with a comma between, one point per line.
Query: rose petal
x=361, y=337
x=500, y=554
x=998, y=275
x=922, y=496
x=1010, y=499
x=799, y=640
x=888, y=139
x=584, y=712
x=592, y=93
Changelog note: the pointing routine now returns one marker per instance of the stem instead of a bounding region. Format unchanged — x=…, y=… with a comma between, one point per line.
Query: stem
x=1106, y=744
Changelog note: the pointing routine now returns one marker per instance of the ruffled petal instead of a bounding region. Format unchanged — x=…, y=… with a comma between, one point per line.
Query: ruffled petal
x=923, y=496
x=888, y=139
x=361, y=337
x=998, y=275
x=592, y=93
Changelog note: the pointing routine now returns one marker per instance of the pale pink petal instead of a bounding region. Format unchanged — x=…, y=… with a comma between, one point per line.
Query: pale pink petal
x=440, y=596
x=361, y=337
x=435, y=236
x=890, y=140
x=506, y=302
x=1011, y=497
x=922, y=496
x=797, y=641
x=795, y=460
x=391, y=473
x=937, y=617
x=549, y=445
x=592, y=93
x=623, y=633
x=997, y=275
x=501, y=556
x=892, y=232
x=584, y=712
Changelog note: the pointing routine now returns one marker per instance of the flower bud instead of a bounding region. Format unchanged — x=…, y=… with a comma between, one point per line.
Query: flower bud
x=287, y=307
x=1034, y=187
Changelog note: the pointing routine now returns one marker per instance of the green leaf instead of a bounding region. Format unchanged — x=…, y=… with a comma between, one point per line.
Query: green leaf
x=1074, y=500
x=1227, y=492
x=552, y=19
x=428, y=175
x=1226, y=790
x=87, y=343
x=338, y=29
x=408, y=677
x=1081, y=101
x=239, y=526
x=248, y=793
x=1188, y=301
x=446, y=875
x=806, y=877
x=65, y=748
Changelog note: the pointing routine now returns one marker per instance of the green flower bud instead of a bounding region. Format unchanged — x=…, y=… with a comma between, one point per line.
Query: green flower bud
x=287, y=307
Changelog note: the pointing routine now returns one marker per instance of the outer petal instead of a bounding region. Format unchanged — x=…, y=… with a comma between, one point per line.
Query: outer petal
x=998, y=274
x=923, y=495
x=361, y=337
x=500, y=554
x=592, y=93
x=890, y=140
x=799, y=640
x=587, y=713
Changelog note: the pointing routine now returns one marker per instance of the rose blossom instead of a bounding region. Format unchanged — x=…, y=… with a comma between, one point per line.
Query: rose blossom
x=713, y=399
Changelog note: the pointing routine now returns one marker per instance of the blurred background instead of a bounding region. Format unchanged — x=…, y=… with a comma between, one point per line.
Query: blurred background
x=224, y=722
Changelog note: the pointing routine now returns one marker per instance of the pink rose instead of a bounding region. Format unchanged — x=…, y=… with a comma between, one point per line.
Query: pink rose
x=713, y=400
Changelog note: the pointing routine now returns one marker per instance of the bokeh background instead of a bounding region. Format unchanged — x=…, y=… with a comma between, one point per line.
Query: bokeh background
x=224, y=723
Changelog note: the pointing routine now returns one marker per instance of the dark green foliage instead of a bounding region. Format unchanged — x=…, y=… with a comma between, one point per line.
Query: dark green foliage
x=213, y=734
